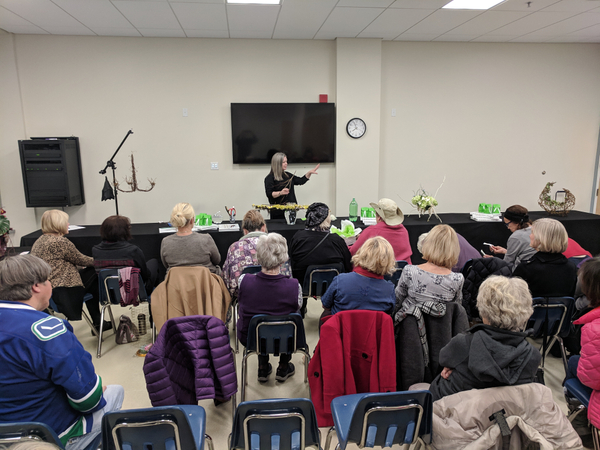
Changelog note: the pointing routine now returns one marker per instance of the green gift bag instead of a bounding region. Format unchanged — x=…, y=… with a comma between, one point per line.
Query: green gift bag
x=203, y=220
x=485, y=208
x=365, y=211
x=496, y=209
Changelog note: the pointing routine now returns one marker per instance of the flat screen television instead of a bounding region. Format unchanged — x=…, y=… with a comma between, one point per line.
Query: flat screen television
x=305, y=132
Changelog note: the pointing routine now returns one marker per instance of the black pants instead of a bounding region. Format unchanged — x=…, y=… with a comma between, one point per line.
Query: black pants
x=284, y=358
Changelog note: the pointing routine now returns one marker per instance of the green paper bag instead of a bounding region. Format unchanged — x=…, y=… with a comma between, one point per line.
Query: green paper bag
x=485, y=208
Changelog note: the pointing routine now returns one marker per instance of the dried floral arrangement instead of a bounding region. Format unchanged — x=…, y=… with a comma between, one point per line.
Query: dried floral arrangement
x=132, y=182
x=553, y=206
x=425, y=203
x=286, y=207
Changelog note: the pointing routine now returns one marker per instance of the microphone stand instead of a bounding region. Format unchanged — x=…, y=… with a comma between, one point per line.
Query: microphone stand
x=111, y=163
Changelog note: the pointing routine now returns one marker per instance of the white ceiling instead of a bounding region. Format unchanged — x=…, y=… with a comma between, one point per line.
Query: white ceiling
x=399, y=20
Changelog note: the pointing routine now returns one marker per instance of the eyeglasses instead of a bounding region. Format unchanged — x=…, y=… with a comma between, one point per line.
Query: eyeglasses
x=506, y=224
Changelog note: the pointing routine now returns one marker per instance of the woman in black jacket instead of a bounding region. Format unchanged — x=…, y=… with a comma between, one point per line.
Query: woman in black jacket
x=548, y=273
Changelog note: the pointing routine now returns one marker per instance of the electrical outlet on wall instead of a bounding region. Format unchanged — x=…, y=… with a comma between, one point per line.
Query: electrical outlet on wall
x=185, y=112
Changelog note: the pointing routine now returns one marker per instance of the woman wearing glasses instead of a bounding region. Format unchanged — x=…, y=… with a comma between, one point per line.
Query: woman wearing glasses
x=516, y=219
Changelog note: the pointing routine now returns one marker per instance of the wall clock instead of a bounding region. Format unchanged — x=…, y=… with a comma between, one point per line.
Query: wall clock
x=356, y=128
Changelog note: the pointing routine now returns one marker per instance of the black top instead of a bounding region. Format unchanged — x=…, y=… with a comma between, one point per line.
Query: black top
x=271, y=185
x=332, y=250
x=120, y=254
x=548, y=275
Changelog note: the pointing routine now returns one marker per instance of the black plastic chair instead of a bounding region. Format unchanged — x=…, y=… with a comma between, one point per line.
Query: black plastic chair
x=395, y=277
x=577, y=389
x=318, y=278
x=466, y=268
x=382, y=419
x=11, y=433
x=283, y=424
x=273, y=335
x=110, y=294
x=557, y=311
x=234, y=304
x=161, y=428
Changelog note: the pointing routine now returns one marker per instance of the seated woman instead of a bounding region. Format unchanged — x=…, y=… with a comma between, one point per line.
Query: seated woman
x=495, y=353
x=186, y=248
x=364, y=288
x=268, y=292
x=316, y=245
x=467, y=251
x=548, y=273
x=433, y=282
x=586, y=367
x=116, y=252
x=516, y=219
x=68, y=286
x=242, y=253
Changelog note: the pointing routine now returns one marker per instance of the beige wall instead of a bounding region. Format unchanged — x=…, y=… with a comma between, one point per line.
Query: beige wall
x=490, y=117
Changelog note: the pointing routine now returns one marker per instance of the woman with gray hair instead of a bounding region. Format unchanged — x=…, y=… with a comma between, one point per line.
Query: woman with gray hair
x=268, y=292
x=495, y=353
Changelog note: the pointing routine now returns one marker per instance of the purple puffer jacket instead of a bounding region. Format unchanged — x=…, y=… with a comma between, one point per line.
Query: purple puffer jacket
x=191, y=360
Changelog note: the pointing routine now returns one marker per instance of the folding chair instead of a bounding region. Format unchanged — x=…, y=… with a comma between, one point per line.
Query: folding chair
x=110, y=294
x=317, y=280
x=382, y=419
x=273, y=335
x=11, y=433
x=234, y=305
x=395, y=277
x=577, y=389
x=551, y=319
x=161, y=428
x=282, y=424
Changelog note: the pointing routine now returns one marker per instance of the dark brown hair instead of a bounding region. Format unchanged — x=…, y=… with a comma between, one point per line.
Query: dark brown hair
x=521, y=210
x=115, y=228
x=589, y=278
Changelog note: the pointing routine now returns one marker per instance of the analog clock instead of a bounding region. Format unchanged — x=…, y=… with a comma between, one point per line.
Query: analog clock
x=356, y=128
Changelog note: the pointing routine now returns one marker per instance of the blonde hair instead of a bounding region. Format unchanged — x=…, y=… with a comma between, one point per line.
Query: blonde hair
x=276, y=165
x=549, y=236
x=182, y=214
x=376, y=255
x=326, y=224
x=505, y=302
x=420, y=242
x=441, y=246
x=271, y=250
x=253, y=221
x=55, y=221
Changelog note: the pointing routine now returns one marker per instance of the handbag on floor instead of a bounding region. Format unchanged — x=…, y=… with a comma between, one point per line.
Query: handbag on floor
x=126, y=332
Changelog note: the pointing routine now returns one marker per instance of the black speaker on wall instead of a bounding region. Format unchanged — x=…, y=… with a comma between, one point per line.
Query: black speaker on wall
x=52, y=172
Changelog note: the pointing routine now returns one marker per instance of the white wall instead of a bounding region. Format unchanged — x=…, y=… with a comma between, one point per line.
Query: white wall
x=491, y=117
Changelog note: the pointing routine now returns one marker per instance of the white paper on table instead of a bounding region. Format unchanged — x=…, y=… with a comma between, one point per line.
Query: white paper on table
x=75, y=227
x=167, y=230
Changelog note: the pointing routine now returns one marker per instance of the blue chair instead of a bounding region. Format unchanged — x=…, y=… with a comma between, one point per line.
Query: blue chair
x=283, y=424
x=162, y=428
x=273, y=335
x=110, y=294
x=467, y=268
x=382, y=419
x=557, y=311
x=318, y=279
x=234, y=304
x=11, y=433
x=395, y=277
x=581, y=392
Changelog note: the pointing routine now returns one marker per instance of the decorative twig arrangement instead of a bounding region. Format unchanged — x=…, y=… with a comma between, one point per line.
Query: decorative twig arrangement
x=425, y=203
x=132, y=182
x=553, y=206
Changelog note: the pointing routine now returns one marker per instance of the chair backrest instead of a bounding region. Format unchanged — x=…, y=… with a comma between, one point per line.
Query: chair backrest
x=395, y=277
x=318, y=278
x=466, y=268
x=160, y=428
x=284, y=424
x=580, y=391
x=109, y=287
x=11, y=433
x=386, y=419
x=559, y=311
x=272, y=335
x=252, y=269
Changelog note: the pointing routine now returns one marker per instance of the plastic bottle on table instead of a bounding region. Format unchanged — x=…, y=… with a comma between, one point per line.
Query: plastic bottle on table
x=353, y=210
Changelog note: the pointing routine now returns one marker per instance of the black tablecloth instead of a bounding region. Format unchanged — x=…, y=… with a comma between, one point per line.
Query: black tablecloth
x=582, y=227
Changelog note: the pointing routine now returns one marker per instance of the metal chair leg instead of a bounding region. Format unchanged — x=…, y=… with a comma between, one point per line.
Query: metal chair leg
x=244, y=376
x=328, y=439
x=208, y=439
x=563, y=354
x=234, y=315
x=99, y=351
x=89, y=322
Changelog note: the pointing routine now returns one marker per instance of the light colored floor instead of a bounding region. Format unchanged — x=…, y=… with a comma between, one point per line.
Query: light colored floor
x=120, y=365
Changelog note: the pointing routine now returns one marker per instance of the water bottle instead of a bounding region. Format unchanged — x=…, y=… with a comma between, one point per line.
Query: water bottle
x=353, y=210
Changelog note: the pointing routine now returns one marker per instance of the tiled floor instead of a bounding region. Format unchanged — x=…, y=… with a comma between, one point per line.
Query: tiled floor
x=120, y=365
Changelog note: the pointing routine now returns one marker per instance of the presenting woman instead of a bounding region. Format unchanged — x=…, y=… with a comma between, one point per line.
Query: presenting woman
x=279, y=184
x=516, y=219
x=69, y=285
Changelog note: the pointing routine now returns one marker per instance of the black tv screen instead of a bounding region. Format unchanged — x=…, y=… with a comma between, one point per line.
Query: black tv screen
x=305, y=132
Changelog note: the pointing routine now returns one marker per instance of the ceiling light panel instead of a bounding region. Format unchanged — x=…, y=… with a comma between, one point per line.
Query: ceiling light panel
x=472, y=4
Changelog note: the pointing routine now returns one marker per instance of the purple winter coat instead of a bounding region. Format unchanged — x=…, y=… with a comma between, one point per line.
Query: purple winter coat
x=190, y=361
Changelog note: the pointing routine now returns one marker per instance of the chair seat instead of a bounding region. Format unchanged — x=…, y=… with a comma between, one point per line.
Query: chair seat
x=578, y=390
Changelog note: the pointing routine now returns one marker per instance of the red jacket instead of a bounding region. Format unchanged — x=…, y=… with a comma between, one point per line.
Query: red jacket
x=588, y=370
x=395, y=235
x=355, y=354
